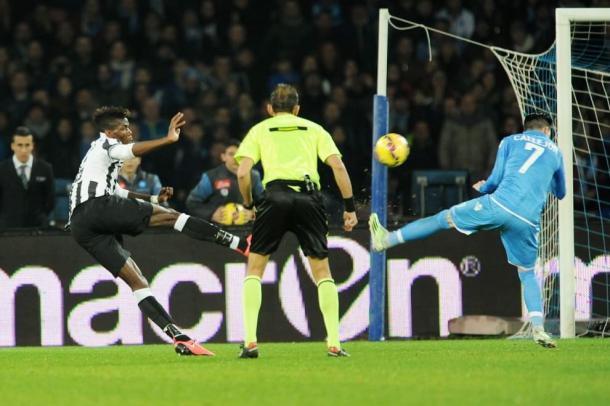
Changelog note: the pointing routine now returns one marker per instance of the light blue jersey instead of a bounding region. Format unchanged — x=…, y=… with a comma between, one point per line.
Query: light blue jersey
x=528, y=166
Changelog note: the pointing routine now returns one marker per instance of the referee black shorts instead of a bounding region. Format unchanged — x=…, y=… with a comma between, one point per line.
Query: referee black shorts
x=98, y=225
x=282, y=209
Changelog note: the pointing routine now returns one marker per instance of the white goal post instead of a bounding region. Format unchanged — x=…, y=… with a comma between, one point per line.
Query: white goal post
x=567, y=274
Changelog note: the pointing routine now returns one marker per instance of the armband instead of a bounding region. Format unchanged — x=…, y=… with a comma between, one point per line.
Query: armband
x=349, y=204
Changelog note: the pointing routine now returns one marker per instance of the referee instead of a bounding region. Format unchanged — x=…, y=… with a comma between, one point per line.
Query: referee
x=288, y=148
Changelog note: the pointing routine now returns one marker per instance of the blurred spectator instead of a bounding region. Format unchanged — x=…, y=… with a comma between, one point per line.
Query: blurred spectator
x=284, y=73
x=27, y=192
x=85, y=104
x=152, y=126
x=522, y=41
x=510, y=126
x=461, y=20
x=423, y=153
x=17, y=100
x=134, y=179
x=121, y=66
x=84, y=62
x=63, y=98
x=88, y=134
x=38, y=122
x=92, y=21
x=219, y=186
x=360, y=37
x=61, y=149
x=468, y=141
x=289, y=35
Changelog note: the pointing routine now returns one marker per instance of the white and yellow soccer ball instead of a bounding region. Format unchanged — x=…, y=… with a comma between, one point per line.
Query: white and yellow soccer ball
x=234, y=214
x=392, y=149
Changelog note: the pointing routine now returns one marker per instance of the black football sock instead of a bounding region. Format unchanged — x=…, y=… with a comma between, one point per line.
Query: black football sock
x=204, y=230
x=174, y=332
x=242, y=244
x=154, y=311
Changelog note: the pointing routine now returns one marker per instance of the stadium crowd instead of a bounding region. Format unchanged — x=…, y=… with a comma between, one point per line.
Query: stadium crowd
x=216, y=61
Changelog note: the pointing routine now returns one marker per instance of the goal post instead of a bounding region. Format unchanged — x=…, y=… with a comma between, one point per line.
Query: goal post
x=565, y=208
x=564, y=17
x=379, y=185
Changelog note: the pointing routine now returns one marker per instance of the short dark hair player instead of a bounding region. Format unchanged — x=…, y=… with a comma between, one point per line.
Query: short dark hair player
x=101, y=212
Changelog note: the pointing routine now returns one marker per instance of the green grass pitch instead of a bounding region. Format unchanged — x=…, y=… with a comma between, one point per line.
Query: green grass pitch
x=396, y=372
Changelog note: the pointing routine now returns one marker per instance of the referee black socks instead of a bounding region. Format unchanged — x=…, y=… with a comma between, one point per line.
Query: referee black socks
x=203, y=230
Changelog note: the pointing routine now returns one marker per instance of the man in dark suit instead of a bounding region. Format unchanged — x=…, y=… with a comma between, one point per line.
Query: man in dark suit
x=27, y=193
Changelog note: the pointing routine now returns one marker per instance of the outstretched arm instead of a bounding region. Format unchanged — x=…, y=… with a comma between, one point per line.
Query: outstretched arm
x=558, y=187
x=492, y=182
x=128, y=151
x=345, y=187
x=164, y=195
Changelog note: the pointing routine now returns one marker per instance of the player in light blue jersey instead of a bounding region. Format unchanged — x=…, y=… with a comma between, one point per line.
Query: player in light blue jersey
x=528, y=167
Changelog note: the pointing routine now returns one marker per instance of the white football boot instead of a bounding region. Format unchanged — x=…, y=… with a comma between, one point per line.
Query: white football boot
x=541, y=337
x=379, y=234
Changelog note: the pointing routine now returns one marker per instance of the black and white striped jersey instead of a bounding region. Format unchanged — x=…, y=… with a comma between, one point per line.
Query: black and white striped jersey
x=98, y=172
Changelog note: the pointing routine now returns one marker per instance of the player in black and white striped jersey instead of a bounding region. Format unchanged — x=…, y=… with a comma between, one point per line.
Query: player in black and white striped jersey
x=101, y=212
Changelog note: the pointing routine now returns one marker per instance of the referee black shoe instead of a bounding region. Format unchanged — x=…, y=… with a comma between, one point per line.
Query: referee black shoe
x=248, y=351
x=337, y=352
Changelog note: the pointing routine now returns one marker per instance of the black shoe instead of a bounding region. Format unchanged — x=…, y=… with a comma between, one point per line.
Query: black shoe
x=248, y=351
x=337, y=352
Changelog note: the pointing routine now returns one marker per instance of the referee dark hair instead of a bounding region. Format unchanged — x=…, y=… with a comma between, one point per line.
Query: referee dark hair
x=288, y=148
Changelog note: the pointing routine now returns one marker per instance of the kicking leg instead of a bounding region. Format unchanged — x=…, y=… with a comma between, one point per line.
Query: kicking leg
x=328, y=299
x=151, y=308
x=533, y=302
x=383, y=239
x=252, y=303
x=197, y=228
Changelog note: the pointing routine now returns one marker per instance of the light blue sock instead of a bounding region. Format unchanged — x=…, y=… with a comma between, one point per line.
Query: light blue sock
x=421, y=228
x=532, y=297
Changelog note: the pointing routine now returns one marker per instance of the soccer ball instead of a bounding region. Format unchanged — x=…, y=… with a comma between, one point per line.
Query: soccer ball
x=234, y=214
x=392, y=149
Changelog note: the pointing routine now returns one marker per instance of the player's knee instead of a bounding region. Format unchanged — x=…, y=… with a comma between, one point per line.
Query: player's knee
x=444, y=219
x=525, y=274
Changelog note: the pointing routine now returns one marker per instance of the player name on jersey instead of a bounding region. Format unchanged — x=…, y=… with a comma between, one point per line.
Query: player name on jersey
x=546, y=143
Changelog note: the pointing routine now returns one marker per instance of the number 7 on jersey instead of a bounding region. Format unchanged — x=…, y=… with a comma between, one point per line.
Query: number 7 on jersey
x=538, y=150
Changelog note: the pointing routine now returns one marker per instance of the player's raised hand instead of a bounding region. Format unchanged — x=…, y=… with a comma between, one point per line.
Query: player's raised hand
x=477, y=186
x=165, y=194
x=173, y=133
x=349, y=220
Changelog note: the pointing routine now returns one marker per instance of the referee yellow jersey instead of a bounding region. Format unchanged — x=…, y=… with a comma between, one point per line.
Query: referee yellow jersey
x=288, y=147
